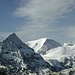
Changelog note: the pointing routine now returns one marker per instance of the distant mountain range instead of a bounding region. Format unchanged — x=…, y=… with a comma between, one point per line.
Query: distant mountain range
x=39, y=57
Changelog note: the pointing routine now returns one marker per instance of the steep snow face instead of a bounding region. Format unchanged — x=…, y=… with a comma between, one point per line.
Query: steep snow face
x=42, y=45
x=36, y=44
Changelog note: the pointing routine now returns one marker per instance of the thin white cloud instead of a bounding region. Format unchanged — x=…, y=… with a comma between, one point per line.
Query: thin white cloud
x=71, y=32
x=44, y=10
x=41, y=15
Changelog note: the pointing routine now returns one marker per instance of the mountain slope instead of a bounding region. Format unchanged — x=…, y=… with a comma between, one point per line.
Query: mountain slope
x=17, y=58
x=59, y=57
x=43, y=45
x=64, y=56
x=21, y=57
x=60, y=52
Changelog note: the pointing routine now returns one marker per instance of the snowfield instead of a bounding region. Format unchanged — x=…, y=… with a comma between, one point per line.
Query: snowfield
x=60, y=52
x=52, y=51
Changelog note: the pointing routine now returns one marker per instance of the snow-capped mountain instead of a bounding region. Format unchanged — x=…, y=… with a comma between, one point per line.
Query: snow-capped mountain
x=59, y=57
x=18, y=58
x=43, y=45
x=62, y=57
x=22, y=58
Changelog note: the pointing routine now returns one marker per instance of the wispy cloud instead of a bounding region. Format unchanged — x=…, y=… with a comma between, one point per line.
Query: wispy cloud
x=44, y=11
x=41, y=15
x=31, y=32
x=71, y=32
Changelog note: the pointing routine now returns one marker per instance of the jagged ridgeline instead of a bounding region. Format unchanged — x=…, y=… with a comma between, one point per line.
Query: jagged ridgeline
x=38, y=57
x=17, y=58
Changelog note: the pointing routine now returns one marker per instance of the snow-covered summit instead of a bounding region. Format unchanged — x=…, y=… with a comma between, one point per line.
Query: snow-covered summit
x=43, y=44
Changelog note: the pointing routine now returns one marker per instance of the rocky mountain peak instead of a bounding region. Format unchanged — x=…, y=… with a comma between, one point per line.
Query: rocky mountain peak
x=12, y=42
x=13, y=37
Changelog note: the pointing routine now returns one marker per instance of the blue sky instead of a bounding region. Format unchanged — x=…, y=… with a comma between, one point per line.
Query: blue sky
x=35, y=19
x=8, y=22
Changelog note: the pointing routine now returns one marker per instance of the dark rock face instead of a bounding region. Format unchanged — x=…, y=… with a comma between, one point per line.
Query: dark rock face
x=51, y=43
x=12, y=43
x=48, y=44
